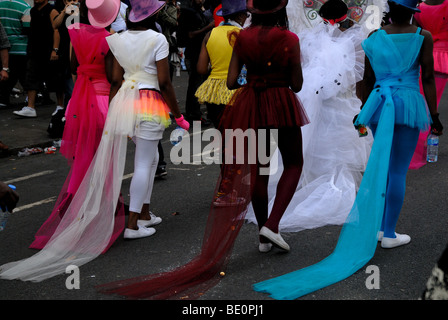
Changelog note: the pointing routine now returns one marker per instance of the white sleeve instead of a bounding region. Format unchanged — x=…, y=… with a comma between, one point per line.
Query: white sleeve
x=161, y=49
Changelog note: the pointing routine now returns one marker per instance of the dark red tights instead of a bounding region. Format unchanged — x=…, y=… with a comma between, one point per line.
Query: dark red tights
x=290, y=147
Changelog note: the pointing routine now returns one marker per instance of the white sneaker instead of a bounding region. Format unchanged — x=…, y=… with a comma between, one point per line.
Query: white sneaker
x=148, y=223
x=26, y=112
x=401, y=239
x=57, y=109
x=141, y=232
x=264, y=247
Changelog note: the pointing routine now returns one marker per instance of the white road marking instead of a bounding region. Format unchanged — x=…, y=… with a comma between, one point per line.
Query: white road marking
x=35, y=204
x=35, y=175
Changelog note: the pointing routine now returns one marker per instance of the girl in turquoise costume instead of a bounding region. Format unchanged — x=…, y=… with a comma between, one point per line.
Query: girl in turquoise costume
x=396, y=112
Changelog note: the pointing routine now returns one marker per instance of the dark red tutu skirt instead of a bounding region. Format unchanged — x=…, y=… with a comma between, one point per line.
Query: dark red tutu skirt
x=271, y=107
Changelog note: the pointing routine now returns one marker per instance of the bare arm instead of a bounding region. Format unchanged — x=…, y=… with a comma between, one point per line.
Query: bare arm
x=195, y=33
x=4, y=56
x=364, y=88
x=116, y=78
x=109, y=64
x=296, y=70
x=57, y=19
x=166, y=87
x=56, y=35
x=234, y=71
x=204, y=58
x=428, y=80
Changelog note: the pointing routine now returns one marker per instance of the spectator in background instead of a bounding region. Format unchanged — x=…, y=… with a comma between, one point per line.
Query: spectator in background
x=215, y=57
x=216, y=5
x=119, y=24
x=167, y=19
x=4, y=73
x=192, y=28
x=8, y=197
x=4, y=55
x=43, y=49
x=67, y=10
x=15, y=18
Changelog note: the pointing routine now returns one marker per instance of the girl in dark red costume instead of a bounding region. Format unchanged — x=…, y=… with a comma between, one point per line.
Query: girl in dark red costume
x=272, y=56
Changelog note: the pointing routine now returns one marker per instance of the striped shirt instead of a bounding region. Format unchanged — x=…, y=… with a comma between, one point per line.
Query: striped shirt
x=14, y=16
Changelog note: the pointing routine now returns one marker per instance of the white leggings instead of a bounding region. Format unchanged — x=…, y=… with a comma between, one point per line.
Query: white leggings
x=145, y=166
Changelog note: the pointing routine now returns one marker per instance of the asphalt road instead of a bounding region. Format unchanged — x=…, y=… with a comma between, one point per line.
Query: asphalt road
x=187, y=190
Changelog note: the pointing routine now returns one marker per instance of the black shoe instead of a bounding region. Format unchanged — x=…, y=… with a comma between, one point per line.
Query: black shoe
x=205, y=122
x=160, y=172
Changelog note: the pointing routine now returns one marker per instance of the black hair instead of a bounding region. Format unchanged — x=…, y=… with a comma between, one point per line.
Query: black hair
x=333, y=9
x=398, y=13
x=83, y=12
x=275, y=19
x=148, y=23
x=234, y=16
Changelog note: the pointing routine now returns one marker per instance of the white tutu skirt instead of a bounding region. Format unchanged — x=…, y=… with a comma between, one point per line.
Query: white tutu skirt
x=334, y=154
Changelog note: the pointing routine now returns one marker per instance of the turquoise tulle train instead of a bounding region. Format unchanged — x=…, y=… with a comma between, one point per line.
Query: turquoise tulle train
x=359, y=235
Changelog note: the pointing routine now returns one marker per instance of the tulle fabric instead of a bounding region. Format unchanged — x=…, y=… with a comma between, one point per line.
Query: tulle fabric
x=409, y=105
x=358, y=238
x=151, y=107
x=395, y=67
x=204, y=271
x=85, y=117
x=434, y=18
x=419, y=157
x=87, y=226
x=334, y=155
x=440, y=61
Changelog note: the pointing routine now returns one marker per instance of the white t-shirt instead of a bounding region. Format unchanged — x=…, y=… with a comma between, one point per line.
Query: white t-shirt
x=155, y=45
x=139, y=51
x=159, y=52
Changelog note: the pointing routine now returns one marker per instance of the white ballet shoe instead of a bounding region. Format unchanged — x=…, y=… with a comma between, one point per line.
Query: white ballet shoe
x=401, y=239
x=275, y=238
x=264, y=247
x=141, y=232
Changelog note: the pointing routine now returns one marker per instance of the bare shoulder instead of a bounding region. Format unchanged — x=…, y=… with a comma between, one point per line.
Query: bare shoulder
x=426, y=34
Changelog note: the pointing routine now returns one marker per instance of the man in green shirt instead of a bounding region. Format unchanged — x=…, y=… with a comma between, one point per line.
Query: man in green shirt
x=15, y=18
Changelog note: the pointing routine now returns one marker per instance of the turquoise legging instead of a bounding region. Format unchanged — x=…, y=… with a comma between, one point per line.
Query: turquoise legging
x=403, y=146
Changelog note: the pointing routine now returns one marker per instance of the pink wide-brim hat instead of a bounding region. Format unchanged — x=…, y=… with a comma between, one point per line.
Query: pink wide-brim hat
x=142, y=9
x=102, y=13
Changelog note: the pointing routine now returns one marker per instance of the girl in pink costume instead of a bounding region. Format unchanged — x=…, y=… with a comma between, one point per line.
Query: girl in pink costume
x=85, y=116
x=140, y=99
x=434, y=18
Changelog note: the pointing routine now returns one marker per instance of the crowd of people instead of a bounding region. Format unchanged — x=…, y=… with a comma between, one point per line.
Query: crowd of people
x=117, y=83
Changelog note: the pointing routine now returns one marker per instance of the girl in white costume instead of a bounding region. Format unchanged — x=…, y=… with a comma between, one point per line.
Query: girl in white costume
x=334, y=154
x=141, y=98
